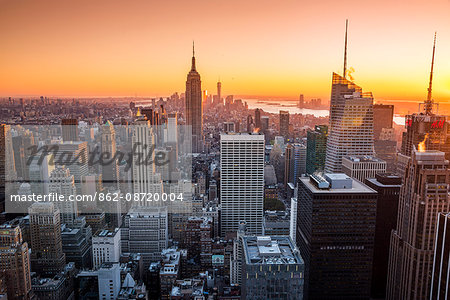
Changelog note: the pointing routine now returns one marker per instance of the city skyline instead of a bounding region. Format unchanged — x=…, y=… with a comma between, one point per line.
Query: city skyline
x=129, y=51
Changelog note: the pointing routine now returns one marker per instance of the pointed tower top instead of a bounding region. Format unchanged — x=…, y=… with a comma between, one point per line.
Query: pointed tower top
x=429, y=102
x=193, y=57
x=345, y=49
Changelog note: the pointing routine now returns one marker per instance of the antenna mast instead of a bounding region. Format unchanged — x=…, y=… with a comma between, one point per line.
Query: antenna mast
x=345, y=49
x=429, y=102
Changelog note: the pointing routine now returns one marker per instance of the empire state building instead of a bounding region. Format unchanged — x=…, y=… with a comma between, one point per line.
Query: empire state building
x=194, y=106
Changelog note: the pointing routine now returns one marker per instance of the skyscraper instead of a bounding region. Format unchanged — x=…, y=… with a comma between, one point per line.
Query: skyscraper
x=271, y=268
x=145, y=178
x=440, y=280
x=258, y=119
x=62, y=182
x=7, y=166
x=15, y=263
x=47, y=256
x=301, y=101
x=295, y=163
x=383, y=117
x=284, y=123
x=362, y=167
x=219, y=92
x=110, y=171
x=194, y=107
x=145, y=231
x=73, y=156
x=424, y=194
x=316, y=149
x=109, y=281
x=426, y=127
x=242, y=181
x=335, y=236
x=388, y=189
x=289, y=162
x=105, y=247
x=70, y=130
x=351, y=123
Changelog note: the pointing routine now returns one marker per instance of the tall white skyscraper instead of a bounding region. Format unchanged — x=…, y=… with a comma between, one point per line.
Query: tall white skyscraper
x=293, y=219
x=62, y=182
x=145, y=178
x=242, y=181
x=351, y=123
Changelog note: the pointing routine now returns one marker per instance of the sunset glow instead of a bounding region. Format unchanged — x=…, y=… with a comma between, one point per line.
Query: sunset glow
x=261, y=48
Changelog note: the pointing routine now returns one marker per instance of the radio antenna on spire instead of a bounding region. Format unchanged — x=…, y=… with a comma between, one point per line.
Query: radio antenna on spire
x=345, y=49
x=429, y=102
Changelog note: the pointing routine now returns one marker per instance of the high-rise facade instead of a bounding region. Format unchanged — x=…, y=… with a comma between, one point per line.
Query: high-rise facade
x=351, y=123
x=62, y=182
x=316, y=149
x=194, y=106
x=335, y=235
x=295, y=163
x=76, y=245
x=109, y=281
x=145, y=177
x=219, y=93
x=73, y=156
x=15, y=263
x=258, y=119
x=70, y=130
x=362, y=167
x=106, y=247
x=433, y=129
x=284, y=123
x=145, y=231
x=47, y=256
x=7, y=166
x=110, y=170
x=242, y=181
x=289, y=161
x=424, y=194
x=272, y=268
x=383, y=117
x=388, y=189
x=440, y=276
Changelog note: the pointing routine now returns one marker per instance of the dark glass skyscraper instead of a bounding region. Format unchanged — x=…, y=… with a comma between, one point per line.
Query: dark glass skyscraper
x=316, y=149
x=335, y=236
x=388, y=189
x=284, y=123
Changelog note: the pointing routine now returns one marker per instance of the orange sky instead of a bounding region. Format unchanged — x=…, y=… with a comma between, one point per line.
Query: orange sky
x=257, y=47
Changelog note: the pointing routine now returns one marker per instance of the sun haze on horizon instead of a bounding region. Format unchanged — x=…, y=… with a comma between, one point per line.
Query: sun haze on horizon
x=120, y=48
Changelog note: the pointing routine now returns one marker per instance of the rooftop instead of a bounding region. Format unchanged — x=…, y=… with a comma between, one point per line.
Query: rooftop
x=266, y=250
x=241, y=136
x=365, y=158
x=350, y=185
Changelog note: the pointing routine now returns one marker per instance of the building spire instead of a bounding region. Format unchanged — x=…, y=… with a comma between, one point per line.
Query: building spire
x=345, y=49
x=429, y=102
x=193, y=57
